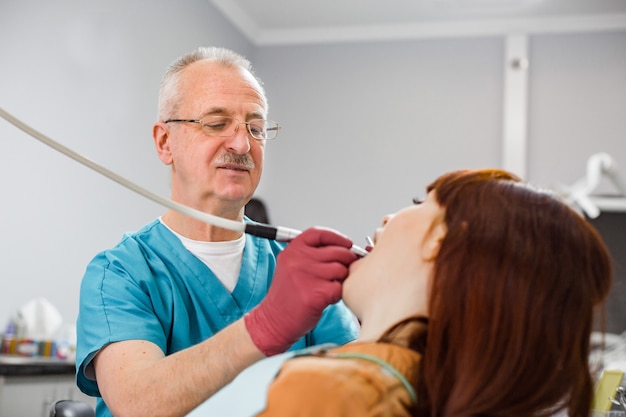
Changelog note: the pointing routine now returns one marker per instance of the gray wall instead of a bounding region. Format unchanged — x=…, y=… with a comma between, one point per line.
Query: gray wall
x=85, y=74
x=366, y=125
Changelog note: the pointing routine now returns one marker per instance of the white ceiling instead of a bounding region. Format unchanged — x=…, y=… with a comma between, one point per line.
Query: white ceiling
x=274, y=22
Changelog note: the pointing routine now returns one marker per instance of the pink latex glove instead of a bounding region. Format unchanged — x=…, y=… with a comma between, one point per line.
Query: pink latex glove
x=308, y=278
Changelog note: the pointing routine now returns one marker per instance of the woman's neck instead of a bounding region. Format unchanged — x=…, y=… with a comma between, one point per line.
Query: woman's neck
x=404, y=333
x=389, y=307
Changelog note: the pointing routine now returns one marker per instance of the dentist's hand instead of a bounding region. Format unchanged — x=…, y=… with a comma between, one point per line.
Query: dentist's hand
x=308, y=278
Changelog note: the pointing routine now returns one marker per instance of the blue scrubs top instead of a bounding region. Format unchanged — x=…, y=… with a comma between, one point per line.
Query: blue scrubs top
x=150, y=287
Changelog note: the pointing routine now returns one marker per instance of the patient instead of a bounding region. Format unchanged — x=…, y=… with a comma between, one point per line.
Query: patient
x=477, y=301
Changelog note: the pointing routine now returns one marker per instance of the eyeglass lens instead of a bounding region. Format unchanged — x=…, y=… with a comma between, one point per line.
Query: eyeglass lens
x=226, y=126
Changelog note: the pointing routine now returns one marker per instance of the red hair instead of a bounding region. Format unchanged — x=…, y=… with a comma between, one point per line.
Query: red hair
x=511, y=310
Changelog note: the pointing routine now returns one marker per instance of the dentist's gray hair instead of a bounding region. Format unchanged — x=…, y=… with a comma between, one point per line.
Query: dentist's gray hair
x=169, y=93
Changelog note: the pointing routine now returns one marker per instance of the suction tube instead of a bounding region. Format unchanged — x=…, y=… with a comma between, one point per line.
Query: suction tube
x=191, y=212
x=279, y=233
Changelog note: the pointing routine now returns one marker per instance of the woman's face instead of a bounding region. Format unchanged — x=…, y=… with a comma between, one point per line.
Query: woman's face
x=405, y=247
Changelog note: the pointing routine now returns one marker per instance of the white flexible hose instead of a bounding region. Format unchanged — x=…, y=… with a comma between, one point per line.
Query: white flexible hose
x=191, y=212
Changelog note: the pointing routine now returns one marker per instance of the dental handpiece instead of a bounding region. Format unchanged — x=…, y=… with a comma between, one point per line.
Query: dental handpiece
x=285, y=234
x=279, y=233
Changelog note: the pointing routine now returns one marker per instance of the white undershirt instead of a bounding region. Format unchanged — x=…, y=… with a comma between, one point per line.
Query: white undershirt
x=223, y=258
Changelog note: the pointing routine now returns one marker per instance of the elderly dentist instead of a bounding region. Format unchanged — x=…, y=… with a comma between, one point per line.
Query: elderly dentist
x=176, y=310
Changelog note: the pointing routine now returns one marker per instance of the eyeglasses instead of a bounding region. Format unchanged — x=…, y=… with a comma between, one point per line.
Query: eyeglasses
x=222, y=126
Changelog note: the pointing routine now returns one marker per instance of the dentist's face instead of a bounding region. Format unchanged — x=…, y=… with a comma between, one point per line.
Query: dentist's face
x=210, y=168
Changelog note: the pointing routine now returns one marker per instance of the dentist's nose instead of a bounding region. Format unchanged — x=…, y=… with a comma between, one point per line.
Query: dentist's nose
x=239, y=142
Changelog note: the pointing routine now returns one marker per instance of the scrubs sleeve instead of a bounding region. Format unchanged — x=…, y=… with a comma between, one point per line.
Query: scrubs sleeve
x=115, y=305
x=338, y=325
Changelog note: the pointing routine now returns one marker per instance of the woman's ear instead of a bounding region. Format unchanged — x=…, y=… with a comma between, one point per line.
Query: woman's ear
x=432, y=241
x=161, y=134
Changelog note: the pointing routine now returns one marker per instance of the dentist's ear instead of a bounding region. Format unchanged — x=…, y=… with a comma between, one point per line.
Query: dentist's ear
x=160, y=134
x=432, y=242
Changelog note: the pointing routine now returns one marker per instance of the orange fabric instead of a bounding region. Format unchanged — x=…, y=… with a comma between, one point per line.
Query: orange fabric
x=320, y=385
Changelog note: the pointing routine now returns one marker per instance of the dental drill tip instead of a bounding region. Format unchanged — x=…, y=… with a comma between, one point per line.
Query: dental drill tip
x=358, y=251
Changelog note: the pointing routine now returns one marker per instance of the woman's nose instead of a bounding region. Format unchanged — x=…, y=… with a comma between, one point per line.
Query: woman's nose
x=386, y=219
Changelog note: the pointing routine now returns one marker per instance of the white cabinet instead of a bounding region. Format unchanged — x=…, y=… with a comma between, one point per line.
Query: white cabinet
x=32, y=395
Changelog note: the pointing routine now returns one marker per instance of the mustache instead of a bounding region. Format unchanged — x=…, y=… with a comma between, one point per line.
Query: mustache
x=244, y=160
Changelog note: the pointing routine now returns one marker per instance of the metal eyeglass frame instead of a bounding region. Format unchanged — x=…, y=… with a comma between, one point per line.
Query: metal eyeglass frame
x=273, y=129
